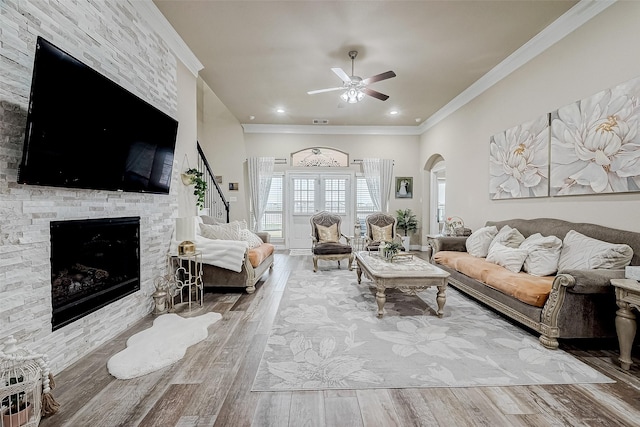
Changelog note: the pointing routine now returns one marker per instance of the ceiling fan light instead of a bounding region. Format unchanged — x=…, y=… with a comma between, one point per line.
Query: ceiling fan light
x=344, y=97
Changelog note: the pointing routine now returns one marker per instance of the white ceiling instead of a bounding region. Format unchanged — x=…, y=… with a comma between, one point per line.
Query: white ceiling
x=262, y=55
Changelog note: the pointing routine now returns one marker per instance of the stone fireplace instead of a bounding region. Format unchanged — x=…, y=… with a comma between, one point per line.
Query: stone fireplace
x=94, y=262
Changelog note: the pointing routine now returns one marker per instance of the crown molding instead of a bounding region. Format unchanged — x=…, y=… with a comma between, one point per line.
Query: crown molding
x=157, y=21
x=556, y=31
x=331, y=130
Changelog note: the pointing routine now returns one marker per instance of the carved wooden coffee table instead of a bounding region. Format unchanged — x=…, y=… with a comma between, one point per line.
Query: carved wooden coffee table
x=408, y=274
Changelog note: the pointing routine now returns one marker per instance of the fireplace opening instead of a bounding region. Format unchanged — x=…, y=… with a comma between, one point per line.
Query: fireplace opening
x=94, y=262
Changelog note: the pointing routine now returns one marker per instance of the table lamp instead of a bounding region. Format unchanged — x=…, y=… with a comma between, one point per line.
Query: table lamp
x=186, y=233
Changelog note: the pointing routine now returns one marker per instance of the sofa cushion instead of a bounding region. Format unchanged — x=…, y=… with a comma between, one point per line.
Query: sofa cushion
x=328, y=234
x=382, y=234
x=478, y=242
x=532, y=290
x=331, y=248
x=250, y=237
x=508, y=236
x=509, y=258
x=582, y=252
x=221, y=231
x=260, y=253
x=544, y=253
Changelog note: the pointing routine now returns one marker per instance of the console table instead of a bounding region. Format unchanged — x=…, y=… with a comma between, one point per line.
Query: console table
x=627, y=298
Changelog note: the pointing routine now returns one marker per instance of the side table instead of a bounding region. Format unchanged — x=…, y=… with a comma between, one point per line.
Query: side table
x=627, y=298
x=187, y=271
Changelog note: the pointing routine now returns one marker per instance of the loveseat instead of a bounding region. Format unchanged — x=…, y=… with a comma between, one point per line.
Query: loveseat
x=578, y=303
x=232, y=255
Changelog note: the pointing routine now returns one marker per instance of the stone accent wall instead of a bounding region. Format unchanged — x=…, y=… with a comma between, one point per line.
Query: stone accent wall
x=112, y=38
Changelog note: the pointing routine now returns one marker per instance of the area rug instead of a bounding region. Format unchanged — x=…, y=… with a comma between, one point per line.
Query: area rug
x=163, y=344
x=326, y=335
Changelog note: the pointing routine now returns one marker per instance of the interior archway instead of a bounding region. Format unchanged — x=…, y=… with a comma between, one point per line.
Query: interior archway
x=435, y=177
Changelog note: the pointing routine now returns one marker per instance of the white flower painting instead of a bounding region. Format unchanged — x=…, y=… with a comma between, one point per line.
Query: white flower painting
x=519, y=161
x=595, y=146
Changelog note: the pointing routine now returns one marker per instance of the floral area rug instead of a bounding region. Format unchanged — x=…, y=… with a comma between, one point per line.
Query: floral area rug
x=327, y=335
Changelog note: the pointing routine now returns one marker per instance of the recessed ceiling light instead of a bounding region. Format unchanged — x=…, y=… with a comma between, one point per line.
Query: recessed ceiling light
x=280, y=110
x=252, y=117
x=393, y=112
x=418, y=119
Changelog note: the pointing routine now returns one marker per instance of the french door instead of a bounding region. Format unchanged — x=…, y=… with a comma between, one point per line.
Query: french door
x=309, y=193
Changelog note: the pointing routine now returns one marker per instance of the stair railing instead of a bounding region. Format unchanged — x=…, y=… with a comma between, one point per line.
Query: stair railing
x=214, y=199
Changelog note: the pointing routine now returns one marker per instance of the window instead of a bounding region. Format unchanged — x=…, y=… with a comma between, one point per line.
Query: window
x=304, y=195
x=364, y=204
x=273, y=215
x=335, y=195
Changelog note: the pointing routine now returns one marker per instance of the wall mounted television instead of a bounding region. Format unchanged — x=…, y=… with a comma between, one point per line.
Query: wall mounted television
x=85, y=131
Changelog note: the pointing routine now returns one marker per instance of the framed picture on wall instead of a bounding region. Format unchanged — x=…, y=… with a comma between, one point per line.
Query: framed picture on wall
x=404, y=187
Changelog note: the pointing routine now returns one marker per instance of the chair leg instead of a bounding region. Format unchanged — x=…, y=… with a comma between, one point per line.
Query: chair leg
x=315, y=264
x=338, y=264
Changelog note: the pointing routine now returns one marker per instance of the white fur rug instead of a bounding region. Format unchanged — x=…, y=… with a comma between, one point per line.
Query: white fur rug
x=161, y=345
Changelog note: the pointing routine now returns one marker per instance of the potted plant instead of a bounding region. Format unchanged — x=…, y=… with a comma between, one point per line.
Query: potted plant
x=18, y=409
x=407, y=222
x=193, y=176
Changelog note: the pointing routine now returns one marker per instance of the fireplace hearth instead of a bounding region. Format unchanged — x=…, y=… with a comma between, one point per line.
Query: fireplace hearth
x=94, y=262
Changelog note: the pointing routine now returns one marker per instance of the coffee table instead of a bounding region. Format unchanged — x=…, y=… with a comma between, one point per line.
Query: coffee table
x=408, y=274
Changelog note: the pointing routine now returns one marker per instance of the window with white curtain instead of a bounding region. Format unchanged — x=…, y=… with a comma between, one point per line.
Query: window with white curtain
x=364, y=204
x=273, y=218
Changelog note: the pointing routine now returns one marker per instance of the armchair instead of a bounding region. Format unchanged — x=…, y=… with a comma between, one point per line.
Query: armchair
x=380, y=228
x=325, y=240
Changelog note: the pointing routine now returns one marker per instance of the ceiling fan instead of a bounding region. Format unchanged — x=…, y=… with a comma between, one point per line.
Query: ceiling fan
x=355, y=87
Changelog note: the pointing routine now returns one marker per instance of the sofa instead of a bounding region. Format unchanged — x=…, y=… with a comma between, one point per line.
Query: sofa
x=232, y=255
x=256, y=262
x=570, y=303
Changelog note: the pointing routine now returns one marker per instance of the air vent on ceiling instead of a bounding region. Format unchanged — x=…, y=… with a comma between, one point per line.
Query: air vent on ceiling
x=320, y=121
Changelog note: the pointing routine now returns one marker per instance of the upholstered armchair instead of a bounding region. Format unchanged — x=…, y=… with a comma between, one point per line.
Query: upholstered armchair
x=325, y=240
x=381, y=227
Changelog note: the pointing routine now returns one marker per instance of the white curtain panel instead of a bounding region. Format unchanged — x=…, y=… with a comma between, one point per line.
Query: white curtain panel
x=379, y=174
x=371, y=169
x=386, y=182
x=260, y=174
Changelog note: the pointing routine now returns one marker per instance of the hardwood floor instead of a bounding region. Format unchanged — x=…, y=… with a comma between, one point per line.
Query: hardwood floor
x=211, y=386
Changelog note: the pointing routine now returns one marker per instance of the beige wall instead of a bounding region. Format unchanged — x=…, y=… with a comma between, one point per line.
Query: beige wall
x=186, y=153
x=599, y=55
x=222, y=140
x=402, y=149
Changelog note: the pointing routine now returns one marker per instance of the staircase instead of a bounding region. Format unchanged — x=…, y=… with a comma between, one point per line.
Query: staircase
x=214, y=199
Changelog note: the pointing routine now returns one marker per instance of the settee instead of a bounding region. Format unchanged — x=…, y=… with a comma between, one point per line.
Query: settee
x=577, y=303
x=232, y=256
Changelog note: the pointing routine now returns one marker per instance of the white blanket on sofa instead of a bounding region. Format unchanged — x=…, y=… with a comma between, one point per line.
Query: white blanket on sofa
x=227, y=254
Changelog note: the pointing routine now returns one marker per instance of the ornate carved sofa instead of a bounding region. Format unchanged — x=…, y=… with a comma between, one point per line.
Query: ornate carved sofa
x=580, y=304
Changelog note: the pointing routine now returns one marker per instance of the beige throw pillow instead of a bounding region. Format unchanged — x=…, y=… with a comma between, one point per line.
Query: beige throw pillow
x=510, y=237
x=580, y=252
x=509, y=258
x=220, y=231
x=251, y=238
x=328, y=234
x=544, y=254
x=478, y=242
x=381, y=234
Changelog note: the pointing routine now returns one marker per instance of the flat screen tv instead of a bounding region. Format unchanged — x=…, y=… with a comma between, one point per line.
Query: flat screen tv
x=85, y=131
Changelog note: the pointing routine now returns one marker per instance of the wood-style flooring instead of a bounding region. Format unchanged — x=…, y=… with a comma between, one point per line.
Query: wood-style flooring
x=211, y=385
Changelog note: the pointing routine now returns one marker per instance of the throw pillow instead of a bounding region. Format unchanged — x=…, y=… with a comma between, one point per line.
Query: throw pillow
x=580, y=252
x=510, y=237
x=478, y=242
x=206, y=219
x=381, y=234
x=328, y=234
x=544, y=254
x=509, y=258
x=251, y=238
x=220, y=231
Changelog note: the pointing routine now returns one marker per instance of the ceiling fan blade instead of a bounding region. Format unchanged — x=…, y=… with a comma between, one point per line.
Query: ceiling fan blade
x=375, y=94
x=343, y=76
x=378, y=77
x=313, y=92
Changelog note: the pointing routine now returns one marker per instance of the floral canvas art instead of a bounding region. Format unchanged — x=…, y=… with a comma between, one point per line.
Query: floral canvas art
x=519, y=161
x=595, y=146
